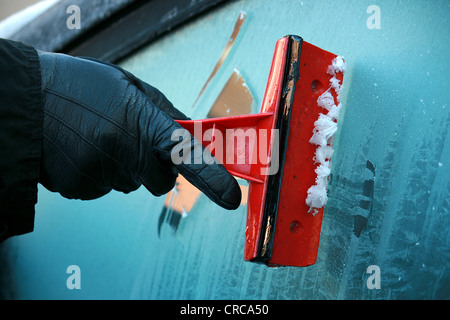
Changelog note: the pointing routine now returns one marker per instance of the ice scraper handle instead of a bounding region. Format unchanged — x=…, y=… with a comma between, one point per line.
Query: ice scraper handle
x=105, y=129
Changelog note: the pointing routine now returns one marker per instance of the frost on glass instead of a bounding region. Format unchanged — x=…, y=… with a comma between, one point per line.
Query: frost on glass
x=388, y=203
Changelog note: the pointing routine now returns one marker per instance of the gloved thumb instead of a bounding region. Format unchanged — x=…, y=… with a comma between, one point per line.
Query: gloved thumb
x=177, y=151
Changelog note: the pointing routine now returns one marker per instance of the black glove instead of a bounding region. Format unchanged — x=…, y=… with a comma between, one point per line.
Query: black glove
x=105, y=129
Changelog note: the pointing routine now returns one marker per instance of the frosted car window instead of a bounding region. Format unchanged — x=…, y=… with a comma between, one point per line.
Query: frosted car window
x=388, y=167
x=387, y=217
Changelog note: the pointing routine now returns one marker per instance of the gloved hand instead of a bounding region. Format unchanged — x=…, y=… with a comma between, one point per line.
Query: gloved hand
x=105, y=129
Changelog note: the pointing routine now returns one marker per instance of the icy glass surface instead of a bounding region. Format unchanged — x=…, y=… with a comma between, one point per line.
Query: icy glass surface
x=393, y=130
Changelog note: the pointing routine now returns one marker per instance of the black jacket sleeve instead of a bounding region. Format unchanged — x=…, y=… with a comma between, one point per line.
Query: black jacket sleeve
x=21, y=117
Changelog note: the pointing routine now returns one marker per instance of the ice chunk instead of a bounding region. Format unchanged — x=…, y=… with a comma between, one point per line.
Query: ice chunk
x=323, y=170
x=326, y=100
x=324, y=129
x=317, y=197
x=336, y=85
x=317, y=194
x=323, y=135
x=323, y=154
x=337, y=65
x=334, y=112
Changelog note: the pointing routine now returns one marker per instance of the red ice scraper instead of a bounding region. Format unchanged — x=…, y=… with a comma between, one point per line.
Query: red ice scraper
x=284, y=152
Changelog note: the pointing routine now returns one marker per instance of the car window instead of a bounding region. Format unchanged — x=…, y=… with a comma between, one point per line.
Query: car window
x=385, y=226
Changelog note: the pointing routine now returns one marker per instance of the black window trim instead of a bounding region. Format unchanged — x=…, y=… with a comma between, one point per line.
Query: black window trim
x=110, y=30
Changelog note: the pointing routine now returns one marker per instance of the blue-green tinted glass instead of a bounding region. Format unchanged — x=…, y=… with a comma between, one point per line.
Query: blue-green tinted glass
x=393, y=130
